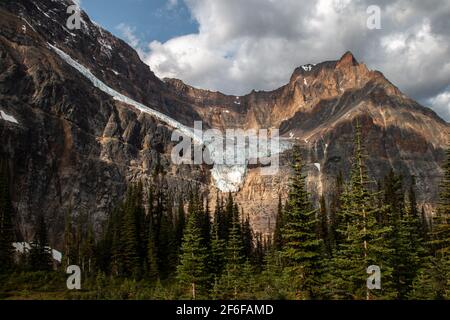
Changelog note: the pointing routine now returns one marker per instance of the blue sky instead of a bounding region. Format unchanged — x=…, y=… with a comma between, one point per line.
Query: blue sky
x=234, y=46
x=151, y=20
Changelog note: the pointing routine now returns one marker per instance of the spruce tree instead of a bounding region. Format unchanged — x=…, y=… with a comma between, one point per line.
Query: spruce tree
x=152, y=270
x=69, y=256
x=277, y=235
x=323, y=226
x=440, y=238
x=232, y=281
x=403, y=238
x=361, y=239
x=40, y=255
x=335, y=208
x=205, y=223
x=180, y=223
x=192, y=270
x=247, y=238
x=433, y=280
x=130, y=234
x=259, y=253
x=301, y=252
x=116, y=243
x=103, y=247
x=88, y=251
x=218, y=254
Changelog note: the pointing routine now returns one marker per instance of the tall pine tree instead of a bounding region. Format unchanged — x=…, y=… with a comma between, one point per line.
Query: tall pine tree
x=302, y=248
x=360, y=238
x=192, y=270
x=40, y=256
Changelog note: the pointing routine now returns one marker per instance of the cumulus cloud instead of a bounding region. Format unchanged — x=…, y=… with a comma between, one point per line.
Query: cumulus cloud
x=441, y=104
x=256, y=44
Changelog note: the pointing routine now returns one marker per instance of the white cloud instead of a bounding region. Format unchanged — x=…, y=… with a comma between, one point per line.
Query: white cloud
x=128, y=33
x=441, y=104
x=256, y=44
x=172, y=4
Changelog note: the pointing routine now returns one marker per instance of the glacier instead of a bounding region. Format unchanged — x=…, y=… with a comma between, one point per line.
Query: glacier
x=227, y=173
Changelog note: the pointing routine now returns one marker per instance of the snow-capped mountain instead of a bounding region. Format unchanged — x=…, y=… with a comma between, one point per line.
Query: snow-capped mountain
x=81, y=116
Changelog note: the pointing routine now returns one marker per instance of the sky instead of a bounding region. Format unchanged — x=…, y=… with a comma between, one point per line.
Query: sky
x=235, y=46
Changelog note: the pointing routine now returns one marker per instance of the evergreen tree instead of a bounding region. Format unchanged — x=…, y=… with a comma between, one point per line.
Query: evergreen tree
x=117, y=245
x=277, y=235
x=335, y=208
x=226, y=218
x=361, y=239
x=40, y=255
x=205, y=224
x=180, y=223
x=131, y=254
x=6, y=221
x=403, y=238
x=302, y=249
x=88, y=251
x=218, y=255
x=259, y=253
x=247, y=238
x=275, y=282
x=440, y=238
x=192, y=271
x=323, y=226
x=69, y=252
x=152, y=257
x=433, y=280
x=103, y=248
x=232, y=281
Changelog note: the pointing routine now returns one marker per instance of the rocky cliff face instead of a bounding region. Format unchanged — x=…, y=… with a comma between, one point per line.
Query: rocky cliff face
x=72, y=145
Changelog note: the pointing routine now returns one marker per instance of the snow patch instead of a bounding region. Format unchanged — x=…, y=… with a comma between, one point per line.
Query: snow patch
x=24, y=247
x=317, y=165
x=106, y=47
x=7, y=117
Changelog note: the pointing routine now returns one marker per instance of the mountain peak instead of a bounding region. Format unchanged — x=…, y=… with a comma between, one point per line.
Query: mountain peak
x=348, y=59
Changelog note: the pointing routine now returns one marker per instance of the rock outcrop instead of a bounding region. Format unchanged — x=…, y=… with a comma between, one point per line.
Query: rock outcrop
x=74, y=147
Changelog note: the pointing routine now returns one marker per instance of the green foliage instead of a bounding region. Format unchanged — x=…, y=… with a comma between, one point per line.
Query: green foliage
x=218, y=252
x=302, y=249
x=148, y=250
x=277, y=234
x=433, y=282
x=191, y=271
x=40, y=256
x=360, y=238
